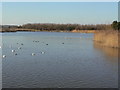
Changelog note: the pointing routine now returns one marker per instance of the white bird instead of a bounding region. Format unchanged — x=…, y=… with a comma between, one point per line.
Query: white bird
x=4, y=56
x=33, y=54
x=13, y=50
x=42, y=52
x=0, y=47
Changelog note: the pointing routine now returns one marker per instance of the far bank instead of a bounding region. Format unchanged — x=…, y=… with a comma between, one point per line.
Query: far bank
x=35, y=30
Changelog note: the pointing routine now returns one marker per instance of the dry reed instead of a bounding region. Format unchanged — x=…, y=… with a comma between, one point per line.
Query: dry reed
x=108, y=38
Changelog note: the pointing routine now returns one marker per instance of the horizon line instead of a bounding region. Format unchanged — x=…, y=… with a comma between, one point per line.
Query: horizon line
x=58, y=23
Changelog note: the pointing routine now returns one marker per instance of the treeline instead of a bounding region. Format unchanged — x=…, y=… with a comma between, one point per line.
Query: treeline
x=67, y=27
x=62, y=27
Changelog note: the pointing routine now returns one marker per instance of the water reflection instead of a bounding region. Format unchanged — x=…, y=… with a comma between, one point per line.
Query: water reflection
x=109, y=52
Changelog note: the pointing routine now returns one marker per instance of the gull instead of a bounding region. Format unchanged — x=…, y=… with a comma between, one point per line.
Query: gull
x=4, y=56
x=33, y=54
x=42, y=52
x=13, y=50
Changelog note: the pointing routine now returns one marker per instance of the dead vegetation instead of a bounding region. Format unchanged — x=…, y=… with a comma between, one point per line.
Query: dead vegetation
x=108, y=38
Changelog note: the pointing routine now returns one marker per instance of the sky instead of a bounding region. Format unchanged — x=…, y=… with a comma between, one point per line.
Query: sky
x=60, y=0
x=59, y=12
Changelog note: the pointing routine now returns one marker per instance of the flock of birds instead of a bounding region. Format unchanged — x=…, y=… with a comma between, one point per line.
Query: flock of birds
x=15, y=53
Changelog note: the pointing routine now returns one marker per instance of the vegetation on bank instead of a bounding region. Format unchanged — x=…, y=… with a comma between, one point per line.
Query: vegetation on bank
x=109, y=38
x=65, y=27
x=60, y=27
x=55, y=27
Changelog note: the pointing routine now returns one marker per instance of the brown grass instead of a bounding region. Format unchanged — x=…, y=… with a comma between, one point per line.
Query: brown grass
x=108, y=38
x=84, y=31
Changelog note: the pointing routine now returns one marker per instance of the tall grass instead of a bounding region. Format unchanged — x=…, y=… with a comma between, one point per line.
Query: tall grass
x=108, y=38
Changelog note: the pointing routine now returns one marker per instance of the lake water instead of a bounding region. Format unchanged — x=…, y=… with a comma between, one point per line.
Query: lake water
x=59, y=60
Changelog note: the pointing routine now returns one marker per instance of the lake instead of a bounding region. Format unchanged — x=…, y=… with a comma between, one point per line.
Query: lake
x=57, y=60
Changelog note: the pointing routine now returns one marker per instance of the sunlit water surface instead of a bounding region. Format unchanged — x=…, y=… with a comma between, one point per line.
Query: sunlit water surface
x=60, y=60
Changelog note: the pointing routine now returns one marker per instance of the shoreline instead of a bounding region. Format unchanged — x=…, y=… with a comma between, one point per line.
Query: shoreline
x=34, y=30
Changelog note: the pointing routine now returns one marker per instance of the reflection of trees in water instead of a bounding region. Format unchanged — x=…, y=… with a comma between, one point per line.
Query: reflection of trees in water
x=110, y=52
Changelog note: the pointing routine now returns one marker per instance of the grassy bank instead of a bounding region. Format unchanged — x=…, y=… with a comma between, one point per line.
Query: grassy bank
x=107, y=38
x=84, y=31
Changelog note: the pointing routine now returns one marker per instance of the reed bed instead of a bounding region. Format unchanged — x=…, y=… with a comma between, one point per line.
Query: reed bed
x=108, y=38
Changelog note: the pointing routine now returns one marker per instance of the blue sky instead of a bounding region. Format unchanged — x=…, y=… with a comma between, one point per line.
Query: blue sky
x=59, y=12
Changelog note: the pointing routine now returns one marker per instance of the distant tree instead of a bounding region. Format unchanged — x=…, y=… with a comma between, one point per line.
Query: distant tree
x=115, y=25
